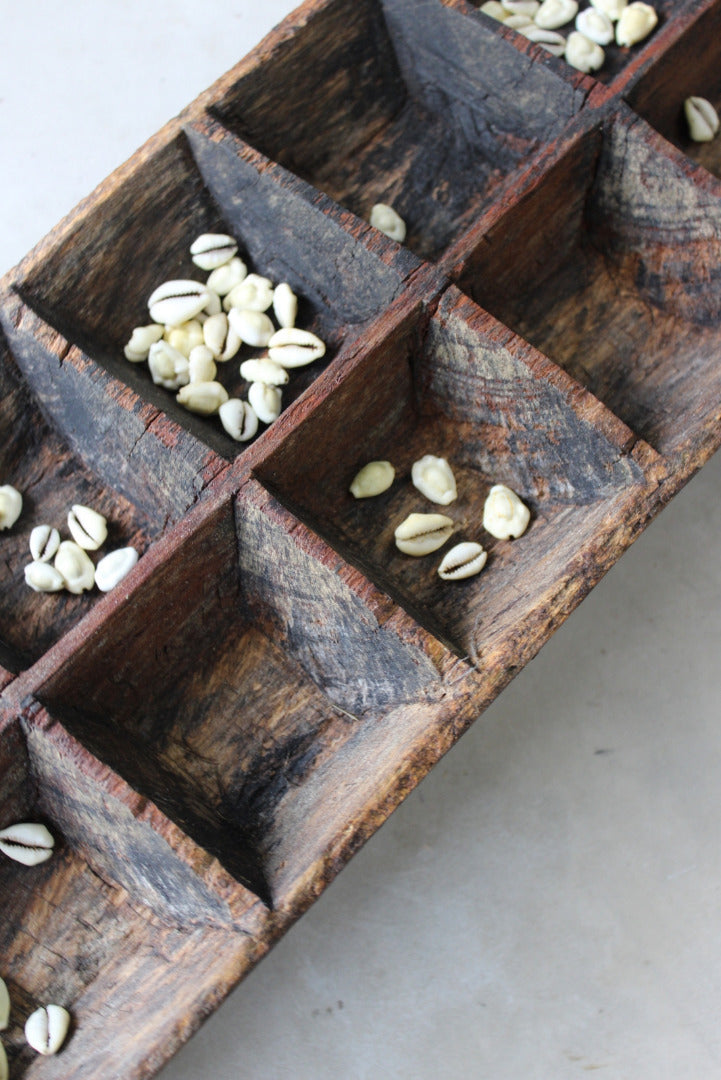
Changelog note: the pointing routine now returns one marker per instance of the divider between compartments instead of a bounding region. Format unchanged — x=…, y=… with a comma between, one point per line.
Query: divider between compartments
x=127, y=442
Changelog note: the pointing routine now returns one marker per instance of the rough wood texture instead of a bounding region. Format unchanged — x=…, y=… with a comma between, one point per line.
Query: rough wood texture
x=622, y=288
x=213, y=741
x=428, y=113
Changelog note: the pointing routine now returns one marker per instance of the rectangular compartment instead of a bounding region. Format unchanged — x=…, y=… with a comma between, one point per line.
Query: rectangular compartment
x=123, y=912
x=220, y=690
x=416, y=105
x=52, y=474
x=460, y=386
x=691, y=66
x=609, y=264
x=92, y=281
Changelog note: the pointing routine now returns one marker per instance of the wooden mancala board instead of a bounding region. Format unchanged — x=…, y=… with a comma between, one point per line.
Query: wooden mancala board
x=210, y=742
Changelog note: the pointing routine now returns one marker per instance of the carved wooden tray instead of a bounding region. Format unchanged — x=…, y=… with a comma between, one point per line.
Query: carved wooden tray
x=211, y=741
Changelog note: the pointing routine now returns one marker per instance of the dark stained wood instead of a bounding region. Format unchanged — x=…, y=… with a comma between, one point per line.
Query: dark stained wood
x=213, y=741
x=428, y=113
x=622, y=287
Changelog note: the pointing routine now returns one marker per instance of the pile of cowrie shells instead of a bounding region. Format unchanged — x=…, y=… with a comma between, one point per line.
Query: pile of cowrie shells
x=72, y=568
x=504, y=514
x=46, y=1028
x=197, y=326
x=594, y=26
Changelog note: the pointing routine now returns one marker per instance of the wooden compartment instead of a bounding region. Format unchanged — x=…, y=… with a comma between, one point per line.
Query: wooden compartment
x=52, y=473
x=428, y=110
x=219, y=689
x=92, y=283
x=609, y=264
x=460, y=386
x=691, y=66
x=124, y=904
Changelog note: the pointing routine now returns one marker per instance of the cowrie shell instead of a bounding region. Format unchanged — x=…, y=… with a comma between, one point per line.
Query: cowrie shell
x=292, y=348
x=555, y=13
x=44, y=542
x=504, y=515
x=384, y=218
x=595, y=25
x=227, y=276
x=462, y=561
x=420, y=534
x=168, y=366
x=88, y=528
x=264, y=370
x=75, y=566
x=113, y=567
x=636, y=22
x=239, y=419
x=265, y=401
x=373, y=479
x=434, y=478
x=4, y=1005
x=252, y=327
x=27, y=842
x=42, y=577
x=141, y=339
x=11, y=504
x=46, y=1028
x=701, y=118
x=204, y=398
x=285, y=305
x=212, y=250
x=253, y=293
x=177, y=301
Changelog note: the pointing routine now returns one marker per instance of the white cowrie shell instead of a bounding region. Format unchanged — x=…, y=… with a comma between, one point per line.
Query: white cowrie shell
x=113, y=567
x=386, y=220
x=612, y=8
x=44, y=542
x=204, y=398
x=504, y=515
x=595, y=25
x=254, y=293
x=521, y=7
x=373, y=479
x=265, y=401
x=434, y=478
x=201, y=365
x=636, y=22
x=215, y=331
x=420, y=534
x=75, y=566
x=4, y=1005
x=555, y=13
x=285, y=305
x=239, y=419
x=701, y=118
x=292, y=348
x=582, y=53
x=232, y=344
x=252, y=327
x=88, y=528
x=226, y=277
x=550, y=40
x=11, y=504
x=185, y=337
x=42, y=577
x=177, y=301
x=141, y=339
x=211, y=250
x=168, y=366
x=46, y=1028
x=264, y=370
x=494, y=9
x=4, y=1067
x=27, y=843
x=519, y=22
x=213, y=305
x=462, y=561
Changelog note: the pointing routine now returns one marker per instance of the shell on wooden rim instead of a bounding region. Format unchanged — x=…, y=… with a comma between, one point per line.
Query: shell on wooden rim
x=462, y=561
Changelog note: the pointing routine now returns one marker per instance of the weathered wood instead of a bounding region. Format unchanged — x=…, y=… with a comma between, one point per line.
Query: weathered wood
x=622, y=288
x=428, y=113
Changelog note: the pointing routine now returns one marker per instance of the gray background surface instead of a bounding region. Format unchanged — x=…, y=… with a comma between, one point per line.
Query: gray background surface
x=547, y=903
